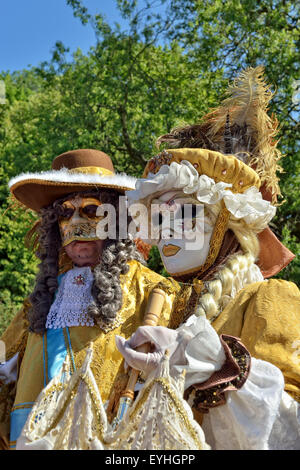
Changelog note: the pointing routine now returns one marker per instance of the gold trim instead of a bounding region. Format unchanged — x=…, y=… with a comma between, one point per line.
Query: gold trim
x=198, y=286
x=180, y=306
x=69, y=351
x=92, y=170
x=182, y=412
x=22, y=406
x=96, y=403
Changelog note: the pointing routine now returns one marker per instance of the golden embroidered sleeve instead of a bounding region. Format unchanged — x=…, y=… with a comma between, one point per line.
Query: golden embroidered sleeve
x=266, y=316
x=14, y=338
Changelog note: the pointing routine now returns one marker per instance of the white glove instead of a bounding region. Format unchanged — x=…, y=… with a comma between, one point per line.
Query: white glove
x=161, y=338
x=9, y=370
x=194, y=347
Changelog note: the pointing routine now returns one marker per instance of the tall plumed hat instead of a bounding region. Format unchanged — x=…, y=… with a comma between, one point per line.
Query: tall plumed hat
x=76, y=170
x=231, y=155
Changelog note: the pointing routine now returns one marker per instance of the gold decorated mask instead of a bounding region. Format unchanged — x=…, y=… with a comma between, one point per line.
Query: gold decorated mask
x=79, y=220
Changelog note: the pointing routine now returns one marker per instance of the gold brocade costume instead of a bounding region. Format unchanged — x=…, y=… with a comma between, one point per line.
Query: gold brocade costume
x=107, y=365
x=266, y=316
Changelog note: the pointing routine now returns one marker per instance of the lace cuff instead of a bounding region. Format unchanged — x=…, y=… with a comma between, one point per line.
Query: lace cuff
x=230, y=377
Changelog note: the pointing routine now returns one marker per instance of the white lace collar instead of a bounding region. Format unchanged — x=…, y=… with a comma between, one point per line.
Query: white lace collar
x=72, y=300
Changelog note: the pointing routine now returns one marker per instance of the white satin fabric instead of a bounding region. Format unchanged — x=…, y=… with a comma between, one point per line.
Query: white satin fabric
x=197, y=350
x=259, y=416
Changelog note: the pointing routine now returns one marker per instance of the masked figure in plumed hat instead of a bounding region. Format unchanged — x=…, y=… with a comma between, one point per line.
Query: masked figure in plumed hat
x=209, y=200
x=88, y=289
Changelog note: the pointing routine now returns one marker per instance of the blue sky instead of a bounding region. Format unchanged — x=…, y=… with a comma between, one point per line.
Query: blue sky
x=30, y=28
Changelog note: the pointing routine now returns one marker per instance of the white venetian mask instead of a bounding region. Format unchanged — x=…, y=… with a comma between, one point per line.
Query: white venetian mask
x=184, y=231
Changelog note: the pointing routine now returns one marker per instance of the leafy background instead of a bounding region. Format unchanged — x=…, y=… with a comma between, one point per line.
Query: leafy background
x=171, y=64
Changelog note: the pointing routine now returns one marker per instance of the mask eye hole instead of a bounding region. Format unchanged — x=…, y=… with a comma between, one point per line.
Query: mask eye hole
x=191, y=217
x=90, y=210
x=67, y=212
x=194, y=211
x=191, y=214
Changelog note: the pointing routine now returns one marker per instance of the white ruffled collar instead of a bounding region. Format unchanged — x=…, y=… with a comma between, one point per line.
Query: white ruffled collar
x=249, y=205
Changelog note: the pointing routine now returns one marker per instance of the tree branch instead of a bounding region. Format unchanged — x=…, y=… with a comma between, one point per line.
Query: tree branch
x=133, y=153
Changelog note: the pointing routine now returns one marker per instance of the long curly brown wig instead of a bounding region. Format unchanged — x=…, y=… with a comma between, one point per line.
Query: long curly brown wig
x=106, y=290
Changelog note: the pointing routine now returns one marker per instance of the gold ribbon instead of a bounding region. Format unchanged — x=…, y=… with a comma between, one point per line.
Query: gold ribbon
x=92, y=170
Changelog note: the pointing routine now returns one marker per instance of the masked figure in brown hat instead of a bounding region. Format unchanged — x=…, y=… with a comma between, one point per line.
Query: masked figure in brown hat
x=221, y=251
x=88, y=288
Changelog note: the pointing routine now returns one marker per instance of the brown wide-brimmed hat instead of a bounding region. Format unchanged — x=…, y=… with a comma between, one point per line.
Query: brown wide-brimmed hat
x=76, y=170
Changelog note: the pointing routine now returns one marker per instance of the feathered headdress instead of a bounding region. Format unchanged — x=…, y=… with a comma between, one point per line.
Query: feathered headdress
x=240, y=126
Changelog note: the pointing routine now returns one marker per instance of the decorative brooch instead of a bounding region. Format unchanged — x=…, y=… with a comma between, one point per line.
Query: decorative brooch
x=159, y=160
x=79, y=280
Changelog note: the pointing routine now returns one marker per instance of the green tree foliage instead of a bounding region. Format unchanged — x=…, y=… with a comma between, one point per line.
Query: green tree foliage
x=170, y=65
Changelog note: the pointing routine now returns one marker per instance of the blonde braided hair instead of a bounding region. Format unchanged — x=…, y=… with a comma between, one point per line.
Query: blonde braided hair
x=239, y=270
